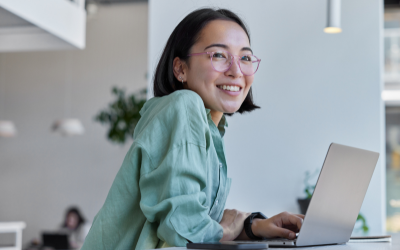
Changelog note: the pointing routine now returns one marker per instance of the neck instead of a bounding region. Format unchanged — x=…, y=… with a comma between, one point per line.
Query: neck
x=216, y=116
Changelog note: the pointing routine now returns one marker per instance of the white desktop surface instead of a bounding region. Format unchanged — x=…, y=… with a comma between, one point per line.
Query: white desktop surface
x=394, y=245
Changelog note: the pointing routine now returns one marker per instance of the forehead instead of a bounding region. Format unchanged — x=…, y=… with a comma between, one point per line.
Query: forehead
x=223, y=32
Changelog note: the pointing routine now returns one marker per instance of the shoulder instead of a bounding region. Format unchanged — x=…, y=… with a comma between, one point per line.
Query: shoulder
x=182, y=105
x=170, y=123
x=179, y=113
x=85, y=228
x=187, y=99
x=177, y=99
x=188, y=105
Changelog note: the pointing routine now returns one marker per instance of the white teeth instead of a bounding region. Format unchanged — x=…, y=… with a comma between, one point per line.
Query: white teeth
x=230, y=88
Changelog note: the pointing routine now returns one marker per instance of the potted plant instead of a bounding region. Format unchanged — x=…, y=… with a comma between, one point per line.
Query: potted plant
x=122, y=115
x=363, y=224
x=305, y=202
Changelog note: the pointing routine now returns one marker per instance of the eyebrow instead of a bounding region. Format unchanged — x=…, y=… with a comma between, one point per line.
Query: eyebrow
x=226, y=47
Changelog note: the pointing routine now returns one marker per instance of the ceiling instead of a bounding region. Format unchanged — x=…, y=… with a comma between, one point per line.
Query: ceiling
x=8, y=19
x=114, y=1
x=392, y=3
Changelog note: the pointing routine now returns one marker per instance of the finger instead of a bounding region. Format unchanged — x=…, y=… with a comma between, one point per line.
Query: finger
x=301, y=216
x=293, y=220
x=284, y=233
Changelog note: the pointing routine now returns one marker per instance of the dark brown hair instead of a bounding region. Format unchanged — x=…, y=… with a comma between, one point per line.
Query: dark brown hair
x=76, y=211
x=179, y=44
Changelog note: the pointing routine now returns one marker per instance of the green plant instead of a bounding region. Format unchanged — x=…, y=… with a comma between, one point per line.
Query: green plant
x=364, y=227
x=122, y=115
x=309, y=189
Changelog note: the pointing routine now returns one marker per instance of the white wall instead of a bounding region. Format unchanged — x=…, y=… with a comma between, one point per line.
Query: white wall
x=313, y=89
x=42, y=173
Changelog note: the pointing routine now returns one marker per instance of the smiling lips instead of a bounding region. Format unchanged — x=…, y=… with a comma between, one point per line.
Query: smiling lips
x=230, y=88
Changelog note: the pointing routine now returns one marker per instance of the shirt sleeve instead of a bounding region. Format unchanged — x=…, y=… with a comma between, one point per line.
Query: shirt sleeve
x=172, y=197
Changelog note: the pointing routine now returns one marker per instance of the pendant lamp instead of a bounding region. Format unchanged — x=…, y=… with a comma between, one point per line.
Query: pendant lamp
x=7, y=128
x=68, y=126
x=333, y=22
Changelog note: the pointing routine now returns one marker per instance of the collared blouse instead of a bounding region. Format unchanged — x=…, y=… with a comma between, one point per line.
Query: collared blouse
x=172, y=185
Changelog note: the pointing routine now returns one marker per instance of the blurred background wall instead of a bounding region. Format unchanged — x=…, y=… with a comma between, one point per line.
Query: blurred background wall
x=313, y=88
x=43, y=173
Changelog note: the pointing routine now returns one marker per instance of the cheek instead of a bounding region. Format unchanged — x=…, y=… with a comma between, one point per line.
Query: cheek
x=249, y=83
x=202, y=77
x=249, y=80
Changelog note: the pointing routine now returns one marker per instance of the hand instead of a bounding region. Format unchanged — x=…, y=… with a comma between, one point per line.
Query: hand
x=284, y=225
x=232, y=223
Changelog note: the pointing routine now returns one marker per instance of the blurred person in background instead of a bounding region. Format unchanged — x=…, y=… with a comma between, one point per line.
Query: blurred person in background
x=75, y=226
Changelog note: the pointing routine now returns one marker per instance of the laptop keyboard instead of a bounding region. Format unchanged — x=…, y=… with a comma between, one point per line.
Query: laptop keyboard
x=278, y=239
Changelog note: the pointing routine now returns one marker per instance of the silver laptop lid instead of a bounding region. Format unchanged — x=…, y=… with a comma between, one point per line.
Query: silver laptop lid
x=338, y=196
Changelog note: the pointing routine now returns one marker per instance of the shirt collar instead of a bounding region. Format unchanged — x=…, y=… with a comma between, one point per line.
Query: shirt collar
x=223, y=123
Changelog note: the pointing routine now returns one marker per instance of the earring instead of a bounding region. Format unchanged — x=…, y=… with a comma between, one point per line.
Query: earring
x=181, y=79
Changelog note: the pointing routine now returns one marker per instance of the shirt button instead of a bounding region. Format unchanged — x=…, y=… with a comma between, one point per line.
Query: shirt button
x=220, y=165
x=216, y=202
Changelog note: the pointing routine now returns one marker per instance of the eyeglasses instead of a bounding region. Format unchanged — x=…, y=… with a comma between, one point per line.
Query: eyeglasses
x=222, y=62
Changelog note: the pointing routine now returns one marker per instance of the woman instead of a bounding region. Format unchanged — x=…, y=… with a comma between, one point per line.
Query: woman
x=75, y=226
x=172, y=185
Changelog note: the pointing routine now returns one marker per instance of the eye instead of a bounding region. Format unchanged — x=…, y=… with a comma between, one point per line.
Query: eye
x=219, y=55
x=246, y=58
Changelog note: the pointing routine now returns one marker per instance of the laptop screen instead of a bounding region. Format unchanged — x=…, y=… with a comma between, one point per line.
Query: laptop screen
x=55, y=240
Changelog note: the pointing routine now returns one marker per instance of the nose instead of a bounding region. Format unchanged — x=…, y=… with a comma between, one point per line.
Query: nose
x=234, y=71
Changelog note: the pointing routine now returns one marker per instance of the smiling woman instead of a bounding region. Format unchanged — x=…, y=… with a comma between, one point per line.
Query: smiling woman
x=214, y=36
x=172, y=186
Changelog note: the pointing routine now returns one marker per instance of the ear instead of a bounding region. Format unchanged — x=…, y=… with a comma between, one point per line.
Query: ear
x=179, y=67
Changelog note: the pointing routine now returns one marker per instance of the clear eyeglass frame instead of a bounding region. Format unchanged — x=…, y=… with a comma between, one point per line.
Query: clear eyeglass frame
x=220, y=66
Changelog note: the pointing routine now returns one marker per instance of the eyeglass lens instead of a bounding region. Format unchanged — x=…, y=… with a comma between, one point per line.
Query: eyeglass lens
x=221, y=61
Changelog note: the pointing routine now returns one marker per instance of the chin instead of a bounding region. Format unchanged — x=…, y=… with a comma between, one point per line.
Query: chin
x=231, y=110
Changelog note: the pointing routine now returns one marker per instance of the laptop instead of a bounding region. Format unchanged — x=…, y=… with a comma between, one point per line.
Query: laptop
x=55, y=240
x=337, y=199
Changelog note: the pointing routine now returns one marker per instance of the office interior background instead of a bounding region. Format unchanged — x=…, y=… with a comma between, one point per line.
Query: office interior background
x=314, y=88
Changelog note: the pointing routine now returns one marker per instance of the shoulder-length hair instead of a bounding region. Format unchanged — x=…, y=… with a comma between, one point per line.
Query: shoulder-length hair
x=179, y=44
x=76, y=211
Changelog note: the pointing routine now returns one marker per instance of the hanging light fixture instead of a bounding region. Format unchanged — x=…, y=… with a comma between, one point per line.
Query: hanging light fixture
x=68, y=126
x=333, y=24
x=7, y=128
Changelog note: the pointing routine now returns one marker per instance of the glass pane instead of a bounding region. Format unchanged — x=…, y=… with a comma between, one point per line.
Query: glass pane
x=248, y=64
x=221, y=61
x=393, y=169
x=392, y=85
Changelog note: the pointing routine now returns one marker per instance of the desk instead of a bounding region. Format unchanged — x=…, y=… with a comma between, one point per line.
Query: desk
x=394, y=245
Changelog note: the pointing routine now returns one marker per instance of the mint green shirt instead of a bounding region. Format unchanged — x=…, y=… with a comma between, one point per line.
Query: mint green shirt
x=172, y=185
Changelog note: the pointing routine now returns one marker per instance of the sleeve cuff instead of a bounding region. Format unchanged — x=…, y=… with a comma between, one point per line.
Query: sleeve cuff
x=202, y=229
